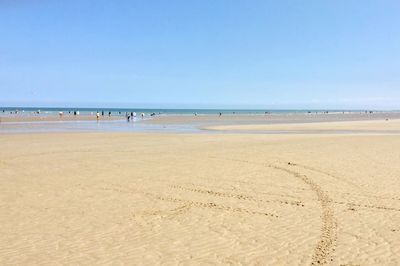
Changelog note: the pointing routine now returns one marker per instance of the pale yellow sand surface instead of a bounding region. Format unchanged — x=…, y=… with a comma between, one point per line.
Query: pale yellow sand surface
x=176, y=199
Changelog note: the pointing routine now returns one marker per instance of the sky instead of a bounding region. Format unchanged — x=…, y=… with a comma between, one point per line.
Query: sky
x=333, y=54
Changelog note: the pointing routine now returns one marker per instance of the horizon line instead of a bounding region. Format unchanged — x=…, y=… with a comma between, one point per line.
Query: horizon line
x=201, y=108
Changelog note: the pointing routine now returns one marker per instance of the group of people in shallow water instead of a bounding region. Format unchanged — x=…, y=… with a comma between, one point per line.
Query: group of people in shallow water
x=128, y=115
x=132, y=116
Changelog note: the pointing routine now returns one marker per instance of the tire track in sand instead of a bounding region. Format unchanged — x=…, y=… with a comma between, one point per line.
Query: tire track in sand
x=189, y=203
x=324, y=251
x=236, y=196
x=313, y=169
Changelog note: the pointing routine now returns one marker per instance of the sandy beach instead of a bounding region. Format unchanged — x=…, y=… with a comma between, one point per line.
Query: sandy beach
x=184, y=133
x=250, y=199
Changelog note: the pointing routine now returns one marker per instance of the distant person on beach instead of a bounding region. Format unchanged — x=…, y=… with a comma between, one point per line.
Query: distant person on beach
x=109, y=114
x=142, y=115
x=97, y=116
x=60, y=114
x=220, y=113
x=102, y=113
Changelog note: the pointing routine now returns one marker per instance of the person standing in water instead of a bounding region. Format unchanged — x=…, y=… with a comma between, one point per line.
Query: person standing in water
x=97, y=116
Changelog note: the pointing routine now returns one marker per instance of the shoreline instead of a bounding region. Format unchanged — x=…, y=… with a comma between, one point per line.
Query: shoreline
x=211, y=118
x=385, y=123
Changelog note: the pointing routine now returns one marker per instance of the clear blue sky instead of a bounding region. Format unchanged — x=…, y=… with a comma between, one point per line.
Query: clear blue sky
x=261, y=54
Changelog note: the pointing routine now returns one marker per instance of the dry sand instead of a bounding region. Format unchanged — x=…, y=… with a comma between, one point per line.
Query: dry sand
x=120, y=198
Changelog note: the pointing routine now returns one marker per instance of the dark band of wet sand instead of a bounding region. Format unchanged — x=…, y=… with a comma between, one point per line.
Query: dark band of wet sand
x=273, y=118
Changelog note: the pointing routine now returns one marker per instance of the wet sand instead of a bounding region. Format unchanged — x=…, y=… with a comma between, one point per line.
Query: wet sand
x=215, y=119
x=366, y=127
x=125, y=198
x=53, y=118
x=273, y=118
